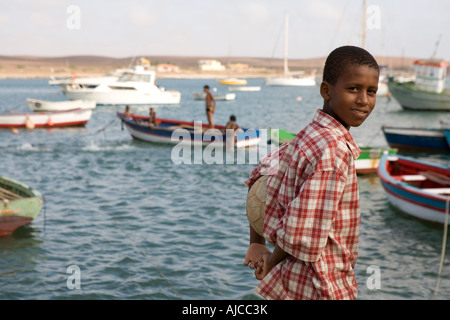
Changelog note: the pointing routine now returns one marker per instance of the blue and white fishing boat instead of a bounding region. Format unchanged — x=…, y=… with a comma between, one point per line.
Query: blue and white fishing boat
x=417, y=139
x=415, y=187
x=176, y=131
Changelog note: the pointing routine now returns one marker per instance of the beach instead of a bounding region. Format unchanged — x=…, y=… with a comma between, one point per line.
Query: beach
x=27, y=67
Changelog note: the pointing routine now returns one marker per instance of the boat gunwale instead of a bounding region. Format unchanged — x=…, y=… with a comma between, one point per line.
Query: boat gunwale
x=387, y=178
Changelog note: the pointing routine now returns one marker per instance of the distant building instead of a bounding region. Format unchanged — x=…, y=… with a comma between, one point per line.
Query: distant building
x=238, y=66
x=210, y=65
x=165, y=67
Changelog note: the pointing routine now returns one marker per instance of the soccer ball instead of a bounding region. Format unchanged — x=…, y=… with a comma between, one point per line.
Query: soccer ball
x=256, y=204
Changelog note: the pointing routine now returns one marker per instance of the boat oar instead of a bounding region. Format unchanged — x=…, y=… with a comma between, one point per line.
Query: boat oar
x=6, y=194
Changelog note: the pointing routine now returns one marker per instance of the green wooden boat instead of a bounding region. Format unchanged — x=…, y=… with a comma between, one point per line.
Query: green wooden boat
x=280, y=136
x=367, y=162
x=19, y=205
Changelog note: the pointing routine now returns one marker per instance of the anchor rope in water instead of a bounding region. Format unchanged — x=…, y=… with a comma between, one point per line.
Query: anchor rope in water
x=104, y=128
x=133, y=243
x=444, y=245
x=129, y=238
x=121, y=230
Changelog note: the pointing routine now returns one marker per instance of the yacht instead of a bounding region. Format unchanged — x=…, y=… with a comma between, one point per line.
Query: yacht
x=134, y=87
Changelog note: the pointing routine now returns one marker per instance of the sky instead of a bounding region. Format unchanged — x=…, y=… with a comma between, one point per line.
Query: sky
x=221, y=28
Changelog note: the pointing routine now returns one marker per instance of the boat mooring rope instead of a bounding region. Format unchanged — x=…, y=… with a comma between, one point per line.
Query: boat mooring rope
x=133, y=243
x=444, y=245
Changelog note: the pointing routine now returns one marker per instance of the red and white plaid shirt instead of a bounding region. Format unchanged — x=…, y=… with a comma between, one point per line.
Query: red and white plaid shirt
x=312, y=213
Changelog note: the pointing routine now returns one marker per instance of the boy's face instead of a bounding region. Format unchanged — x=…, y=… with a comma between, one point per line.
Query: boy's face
x=353, y=97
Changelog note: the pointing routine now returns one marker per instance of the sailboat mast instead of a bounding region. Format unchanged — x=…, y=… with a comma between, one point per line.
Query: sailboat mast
x=286, y=37
x=364, y=25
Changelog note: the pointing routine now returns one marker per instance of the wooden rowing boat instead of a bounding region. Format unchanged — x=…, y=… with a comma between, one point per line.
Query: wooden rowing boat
x=30, y=120
x=417, y=188
x=19, y=205
x=417, y=139
x=50, y=106
x=170, y=131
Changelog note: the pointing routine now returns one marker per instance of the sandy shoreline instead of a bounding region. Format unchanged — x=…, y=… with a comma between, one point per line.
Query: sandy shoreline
x=26, y=67
x=183, y=74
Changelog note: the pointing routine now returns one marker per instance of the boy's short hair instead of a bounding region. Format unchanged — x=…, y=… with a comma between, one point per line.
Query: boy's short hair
x=205, y=86
x=340, y=58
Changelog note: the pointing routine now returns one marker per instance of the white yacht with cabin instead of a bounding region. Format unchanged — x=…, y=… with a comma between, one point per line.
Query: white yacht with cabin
x=134, y=87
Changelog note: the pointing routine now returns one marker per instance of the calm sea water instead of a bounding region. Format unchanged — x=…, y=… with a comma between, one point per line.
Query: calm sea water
x=137, y=226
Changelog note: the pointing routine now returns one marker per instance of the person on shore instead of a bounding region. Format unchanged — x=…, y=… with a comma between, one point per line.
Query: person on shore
x=312, y=210
x=210, y=101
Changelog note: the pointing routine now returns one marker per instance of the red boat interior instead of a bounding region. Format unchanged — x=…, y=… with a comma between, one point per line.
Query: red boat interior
x=431, y=179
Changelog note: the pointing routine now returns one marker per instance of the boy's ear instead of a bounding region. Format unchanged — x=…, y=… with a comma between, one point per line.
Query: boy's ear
x=325, y=89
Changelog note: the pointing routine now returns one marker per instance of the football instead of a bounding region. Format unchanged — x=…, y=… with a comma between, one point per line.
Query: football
x=256, y=204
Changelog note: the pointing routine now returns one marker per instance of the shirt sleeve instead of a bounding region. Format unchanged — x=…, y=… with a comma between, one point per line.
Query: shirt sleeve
x=309, y=217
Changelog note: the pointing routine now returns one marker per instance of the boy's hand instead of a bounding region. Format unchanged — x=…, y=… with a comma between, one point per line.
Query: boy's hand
x=263, y=267
x=254, y=255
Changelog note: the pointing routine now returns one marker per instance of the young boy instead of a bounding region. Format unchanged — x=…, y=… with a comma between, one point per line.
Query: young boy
x=312, y=213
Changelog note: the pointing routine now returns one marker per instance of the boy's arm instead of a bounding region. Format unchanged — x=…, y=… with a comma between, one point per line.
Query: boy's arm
x=256, y=250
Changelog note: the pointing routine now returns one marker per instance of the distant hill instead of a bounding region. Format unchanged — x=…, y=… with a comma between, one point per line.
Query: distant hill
x=33, y=66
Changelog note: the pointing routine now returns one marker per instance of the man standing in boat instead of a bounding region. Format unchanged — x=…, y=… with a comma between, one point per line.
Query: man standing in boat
x=210, y=105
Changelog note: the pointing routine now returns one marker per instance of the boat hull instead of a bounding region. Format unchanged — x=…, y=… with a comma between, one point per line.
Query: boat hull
x=125, y=97
x=220, y=97
x=414, y=99
x=51, y=106
x=245, y=88
x=15, y=213
x=291, y=81
x=69, y=118
x=369, y=159
x=409, y=195
x=427, y=139
x=176, y=132
x=233, y=82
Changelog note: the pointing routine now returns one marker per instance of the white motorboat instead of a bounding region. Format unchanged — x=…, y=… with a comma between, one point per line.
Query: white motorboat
x=245, y=88
x=87, y=81
x=291, y=78
x=42, y=105
x=136, y=87
x=286, y=80
x=223, y=97
x=31, y=120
